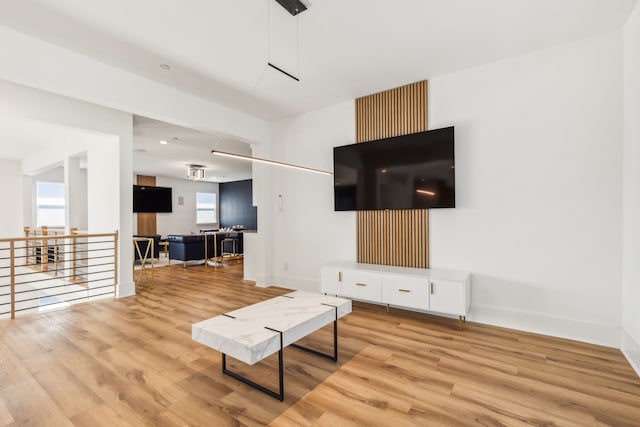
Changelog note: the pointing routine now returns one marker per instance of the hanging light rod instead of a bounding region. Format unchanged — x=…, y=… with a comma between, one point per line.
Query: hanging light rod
x=268, y=162
x=294, y=7
x=283, y=71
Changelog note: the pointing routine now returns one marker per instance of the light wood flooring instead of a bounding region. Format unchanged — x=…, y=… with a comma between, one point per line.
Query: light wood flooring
x=132, y=362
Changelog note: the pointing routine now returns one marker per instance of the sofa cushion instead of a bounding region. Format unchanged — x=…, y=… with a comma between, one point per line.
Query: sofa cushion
x=195, y=238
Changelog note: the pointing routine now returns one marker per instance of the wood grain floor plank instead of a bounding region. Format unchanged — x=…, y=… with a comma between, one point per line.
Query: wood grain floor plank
x=132, y=362
x=71, y=395
x=29, y=404
x=99, y=416
x=5, y=415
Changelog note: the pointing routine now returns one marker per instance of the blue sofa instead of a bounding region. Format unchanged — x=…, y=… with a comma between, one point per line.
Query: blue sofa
x=191, y=247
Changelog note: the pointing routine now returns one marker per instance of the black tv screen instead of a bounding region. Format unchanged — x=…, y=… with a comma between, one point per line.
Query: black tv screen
x=147, y=198
x=415, y=171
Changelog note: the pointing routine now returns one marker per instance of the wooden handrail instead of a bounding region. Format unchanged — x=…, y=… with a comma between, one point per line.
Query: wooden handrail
x=48, y=237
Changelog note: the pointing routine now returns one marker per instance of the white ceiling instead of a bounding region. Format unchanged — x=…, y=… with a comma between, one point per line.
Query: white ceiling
x=340, y=50
x=219, y=49
x=185, y=146
x=20, y=138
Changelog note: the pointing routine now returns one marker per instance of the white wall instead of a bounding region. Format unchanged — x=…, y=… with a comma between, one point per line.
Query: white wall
x=103, y=197
x=306, y=230
x=11, y=215
x=183, y=218
x=538, y=174
x=538, y=188
x=38, y=64
x=258, y=249
x=631, y=194
x=76, y=195
x=32, y=104
x=35, y=63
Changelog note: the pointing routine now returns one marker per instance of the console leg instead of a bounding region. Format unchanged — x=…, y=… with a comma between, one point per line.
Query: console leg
x=460, y=322
x=387, y=308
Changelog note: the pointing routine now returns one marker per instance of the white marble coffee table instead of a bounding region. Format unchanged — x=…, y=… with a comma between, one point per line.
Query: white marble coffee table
x=254, y=332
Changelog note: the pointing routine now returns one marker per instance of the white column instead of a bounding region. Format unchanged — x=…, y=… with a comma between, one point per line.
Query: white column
x=262, y=242
x=75, y=195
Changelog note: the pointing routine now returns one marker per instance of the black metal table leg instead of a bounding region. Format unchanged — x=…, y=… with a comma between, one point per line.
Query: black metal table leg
x=280, y=393
x=333, y=356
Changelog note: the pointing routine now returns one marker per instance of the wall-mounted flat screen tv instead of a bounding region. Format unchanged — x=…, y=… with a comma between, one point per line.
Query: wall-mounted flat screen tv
x=147, y=198
x=415, y=171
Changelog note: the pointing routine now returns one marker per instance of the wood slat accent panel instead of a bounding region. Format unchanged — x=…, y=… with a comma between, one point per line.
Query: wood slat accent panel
x=391, y=113
x=393, y=237
x=146, y=221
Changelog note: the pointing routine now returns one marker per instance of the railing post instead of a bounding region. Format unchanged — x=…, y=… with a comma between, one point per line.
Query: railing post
x=12, y=273
x=55, y=253
x=74, y=241
x=44, y=246
x=115, y=264
x=27, y=250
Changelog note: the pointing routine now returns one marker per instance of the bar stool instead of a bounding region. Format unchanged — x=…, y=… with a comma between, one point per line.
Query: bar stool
x=233, y=242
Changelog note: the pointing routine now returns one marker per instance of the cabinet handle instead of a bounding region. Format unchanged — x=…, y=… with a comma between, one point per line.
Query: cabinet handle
x=361, y=284
x=404, y=290
x=339, y=276
x=431, y=288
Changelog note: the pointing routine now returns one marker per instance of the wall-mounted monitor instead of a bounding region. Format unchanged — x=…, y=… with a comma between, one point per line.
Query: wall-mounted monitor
x=147, y=198
x=415, y=171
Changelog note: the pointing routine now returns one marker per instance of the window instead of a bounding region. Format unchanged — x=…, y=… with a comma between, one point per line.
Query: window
x=206, y=208
x=49, y=204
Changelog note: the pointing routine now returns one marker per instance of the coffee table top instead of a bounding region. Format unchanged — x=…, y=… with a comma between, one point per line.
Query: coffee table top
x=242, y=333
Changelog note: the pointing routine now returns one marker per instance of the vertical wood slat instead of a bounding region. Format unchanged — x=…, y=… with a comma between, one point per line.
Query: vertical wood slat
x=147, y=223
x=395, y=237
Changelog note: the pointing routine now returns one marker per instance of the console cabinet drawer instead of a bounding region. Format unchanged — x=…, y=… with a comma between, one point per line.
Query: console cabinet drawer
x=406, y=291
x=362, y=285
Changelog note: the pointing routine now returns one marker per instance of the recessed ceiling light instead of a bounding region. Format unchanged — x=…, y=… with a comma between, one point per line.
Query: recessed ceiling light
x=165, y=66
x=163, y=142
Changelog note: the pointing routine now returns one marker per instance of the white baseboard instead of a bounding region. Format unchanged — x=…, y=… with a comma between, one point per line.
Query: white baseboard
x=631, y=350
x=263, y=281
x=594, y=333
x=126, y=289
x=296, y=283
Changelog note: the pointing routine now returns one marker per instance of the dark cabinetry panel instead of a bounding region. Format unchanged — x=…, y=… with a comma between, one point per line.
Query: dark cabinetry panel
x=236, y=205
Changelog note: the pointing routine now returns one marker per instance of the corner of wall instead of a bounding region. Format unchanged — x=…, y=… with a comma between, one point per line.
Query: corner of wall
x=296, y=283
x=264, y=280
x=631, y=350
x=126, y=289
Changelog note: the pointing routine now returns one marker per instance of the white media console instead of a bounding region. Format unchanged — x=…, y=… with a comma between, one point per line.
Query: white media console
x=439, y=291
